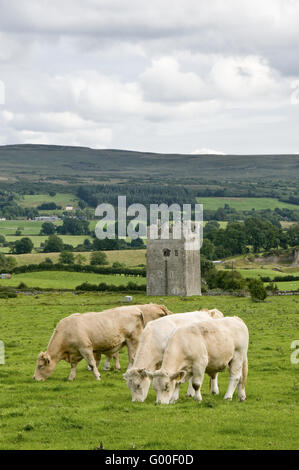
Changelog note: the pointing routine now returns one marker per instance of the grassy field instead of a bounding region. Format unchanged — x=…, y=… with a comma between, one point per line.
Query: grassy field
x=58, y=414
x=131, y=258
x=60, y=199
x=67, y=280
x=73, y=240
x=243, y=204
x=27, y=227
x=254, y=273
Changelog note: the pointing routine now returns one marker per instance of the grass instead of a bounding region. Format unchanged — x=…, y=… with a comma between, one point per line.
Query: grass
x=60, y=199
x=131, y=258
x=58, y=414
x=67, y=280
x=73, y=240
x=28, y=228
x=244, y=203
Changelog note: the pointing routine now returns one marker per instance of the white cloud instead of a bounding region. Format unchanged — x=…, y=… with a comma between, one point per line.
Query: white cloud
x=158, y=76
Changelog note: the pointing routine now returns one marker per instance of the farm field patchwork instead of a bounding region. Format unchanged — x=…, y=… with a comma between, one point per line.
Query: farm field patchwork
x=58, y=414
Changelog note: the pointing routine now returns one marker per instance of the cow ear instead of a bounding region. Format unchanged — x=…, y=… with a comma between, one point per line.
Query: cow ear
x=46, y=358
x=179, y=376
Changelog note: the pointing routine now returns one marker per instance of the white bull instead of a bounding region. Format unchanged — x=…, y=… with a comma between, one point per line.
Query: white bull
x=151, y=348
x=203, y=347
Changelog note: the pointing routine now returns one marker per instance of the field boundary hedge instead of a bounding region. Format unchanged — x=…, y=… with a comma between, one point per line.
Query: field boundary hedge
x=78, y=268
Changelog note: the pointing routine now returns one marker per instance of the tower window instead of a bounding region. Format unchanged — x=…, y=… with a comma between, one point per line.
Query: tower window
x=166, y=252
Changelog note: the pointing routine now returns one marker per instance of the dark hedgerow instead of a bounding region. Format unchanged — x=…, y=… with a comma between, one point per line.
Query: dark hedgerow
x=130, y=287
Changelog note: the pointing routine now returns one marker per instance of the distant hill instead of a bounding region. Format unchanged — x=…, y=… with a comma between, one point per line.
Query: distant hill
x=58, y=163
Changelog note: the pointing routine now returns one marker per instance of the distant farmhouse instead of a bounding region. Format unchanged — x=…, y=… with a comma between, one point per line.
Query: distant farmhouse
x=69, y=208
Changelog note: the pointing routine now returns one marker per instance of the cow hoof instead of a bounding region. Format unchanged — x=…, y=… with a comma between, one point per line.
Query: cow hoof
x=228, y=398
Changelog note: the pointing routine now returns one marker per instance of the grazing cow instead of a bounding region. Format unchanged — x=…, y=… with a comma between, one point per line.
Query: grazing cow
x=200, y=347
x=88, y=335
x=151, y=348
x=148, y=311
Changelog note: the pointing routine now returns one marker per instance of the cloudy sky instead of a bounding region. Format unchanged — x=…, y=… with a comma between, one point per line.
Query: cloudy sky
x=192, y=76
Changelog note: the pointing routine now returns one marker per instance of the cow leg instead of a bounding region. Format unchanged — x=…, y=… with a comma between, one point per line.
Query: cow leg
x=89, y=357
x=197, y=383
x=235, y=376
x=214, y=385
x=116, y=360
x=107, y=363
x=132, y=348
x=190, y=391
x=241, y=383
x=176, y=394
x=197, y=378
x=73, y=370
x=98, y=360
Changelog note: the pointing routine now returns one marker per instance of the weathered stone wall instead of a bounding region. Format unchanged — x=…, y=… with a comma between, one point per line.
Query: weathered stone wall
x=171, y=269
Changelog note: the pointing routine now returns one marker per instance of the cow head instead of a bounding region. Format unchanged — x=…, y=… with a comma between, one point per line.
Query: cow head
x=44, y=366
x=165, y=384
x=138, y=382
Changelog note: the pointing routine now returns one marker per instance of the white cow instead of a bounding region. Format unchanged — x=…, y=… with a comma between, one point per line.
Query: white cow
x=88, y=335
x=151, y=348
x=203, y=347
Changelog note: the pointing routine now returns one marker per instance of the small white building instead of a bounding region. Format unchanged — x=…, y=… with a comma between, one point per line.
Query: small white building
x=69, y=208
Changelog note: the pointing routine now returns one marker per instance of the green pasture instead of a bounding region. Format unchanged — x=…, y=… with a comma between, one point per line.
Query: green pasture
x=68, y=280
x=58, y=414
x=131, y=258
x=244, y=203
x=60, y=199
x=28, y=227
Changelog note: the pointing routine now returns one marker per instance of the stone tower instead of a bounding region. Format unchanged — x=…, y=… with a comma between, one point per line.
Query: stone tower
x=172, y=269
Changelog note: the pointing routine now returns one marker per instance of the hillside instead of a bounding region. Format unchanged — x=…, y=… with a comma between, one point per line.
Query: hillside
x=79, y=164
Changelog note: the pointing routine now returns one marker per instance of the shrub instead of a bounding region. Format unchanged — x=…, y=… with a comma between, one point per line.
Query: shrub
x=98, y=258
x=257, y=289
x=66, y=257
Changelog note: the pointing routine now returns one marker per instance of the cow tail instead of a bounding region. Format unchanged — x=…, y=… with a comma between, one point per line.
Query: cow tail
x=244, y=372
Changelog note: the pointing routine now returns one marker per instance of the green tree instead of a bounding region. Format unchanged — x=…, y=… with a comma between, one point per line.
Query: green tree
x=24, y=245
x=208, y=249
x=66, y=257
x=7, y=262
x=72, y=226
x=47, y=229
x=80, y=259
x=117, y=264
x=98, y=258
x=293, y=235
x=53, y=244
x=257, y=289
